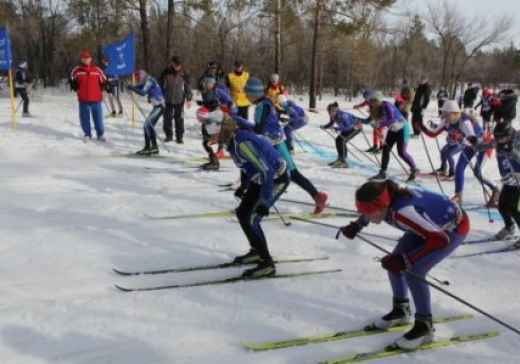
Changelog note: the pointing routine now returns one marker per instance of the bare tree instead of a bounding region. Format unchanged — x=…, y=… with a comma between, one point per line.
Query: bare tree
x=460, y=38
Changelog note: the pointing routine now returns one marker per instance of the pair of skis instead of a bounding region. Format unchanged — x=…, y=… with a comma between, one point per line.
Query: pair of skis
x=506, y=249
x=377, y=354
x=218, y=281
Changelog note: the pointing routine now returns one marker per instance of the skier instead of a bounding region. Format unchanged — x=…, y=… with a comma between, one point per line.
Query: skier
x=266, y=123
x=504, y=108
x=20, y=86
x=265, y=177
x=87, y=80
x=295, y=118
x=433, y=225
x=377, y=135
x=485, y=108
x=215, y=95
x=385, y=114
x=507, y=150
x=112, y=89
x=148, y=86
x=467, y=132
x=348, y=126
x=470, y=95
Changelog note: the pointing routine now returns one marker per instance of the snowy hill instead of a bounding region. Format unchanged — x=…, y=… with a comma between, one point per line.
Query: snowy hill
x=72, y=211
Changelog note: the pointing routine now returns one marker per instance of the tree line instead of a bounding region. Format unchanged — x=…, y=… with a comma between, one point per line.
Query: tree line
x=315, y=45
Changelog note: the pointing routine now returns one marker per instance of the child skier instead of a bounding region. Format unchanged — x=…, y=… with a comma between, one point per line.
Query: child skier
x=348, y=126
x=433, y=226
x=297, y=119
x=148, y=86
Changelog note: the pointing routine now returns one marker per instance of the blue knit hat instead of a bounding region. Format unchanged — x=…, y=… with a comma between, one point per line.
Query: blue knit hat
x=254, y=87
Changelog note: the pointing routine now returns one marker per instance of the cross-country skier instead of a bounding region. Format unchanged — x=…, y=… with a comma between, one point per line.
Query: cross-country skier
x=266, y=123
x=468, y=133
x=148, y=86
x=347, y=127
x=433, y=227
x=385, y=114
x=296, y=118
x=265, y=178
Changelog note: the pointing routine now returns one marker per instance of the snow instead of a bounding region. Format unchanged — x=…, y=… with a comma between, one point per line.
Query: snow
x=73, y=211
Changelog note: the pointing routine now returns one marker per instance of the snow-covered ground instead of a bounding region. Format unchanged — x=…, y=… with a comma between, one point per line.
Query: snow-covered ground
x=73, y=211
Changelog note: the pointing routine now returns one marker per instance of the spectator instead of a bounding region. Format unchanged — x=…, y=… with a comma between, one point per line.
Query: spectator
x=87, y=80
x=176, y=88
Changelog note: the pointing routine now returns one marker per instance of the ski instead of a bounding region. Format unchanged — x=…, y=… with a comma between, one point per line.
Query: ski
x=341, y=335
x=313, y=204
x=392, y=350
x=211, y=266
x=227, y=280
x=506, y=249
x=225, y=213
x=490, y=239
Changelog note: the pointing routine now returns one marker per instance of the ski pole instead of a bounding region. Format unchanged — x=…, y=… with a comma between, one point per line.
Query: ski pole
x=153, y=127
x=285, y=222
x=446, y=283
x=342, y=138
x=431, y=163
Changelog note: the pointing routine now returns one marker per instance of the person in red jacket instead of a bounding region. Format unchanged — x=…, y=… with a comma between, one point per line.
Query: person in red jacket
x=88, y=80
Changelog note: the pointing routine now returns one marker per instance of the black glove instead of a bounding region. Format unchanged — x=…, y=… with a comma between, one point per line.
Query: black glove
x=322, y=127
x=472, y=139
x=262, y=210
x=239, y=192
x=395, y=263
x=350, y=230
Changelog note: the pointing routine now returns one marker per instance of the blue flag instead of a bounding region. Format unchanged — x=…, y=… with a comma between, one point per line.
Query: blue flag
x=121, y=56
x=5, y=50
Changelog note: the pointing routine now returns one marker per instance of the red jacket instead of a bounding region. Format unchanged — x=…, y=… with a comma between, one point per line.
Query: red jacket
x=89, y=80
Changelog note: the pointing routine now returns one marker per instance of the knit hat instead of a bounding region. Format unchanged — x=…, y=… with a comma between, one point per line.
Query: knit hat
x=209, y=79
x=274, y=78
x=375, y=96
x=254, y=87
x=176, y=59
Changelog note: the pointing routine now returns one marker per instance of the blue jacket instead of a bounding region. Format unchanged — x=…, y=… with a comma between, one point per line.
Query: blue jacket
x=266, y=121
x=391, y=117
x=258, y=160
x=20, y=78
x=150, y=88
x=345, y=121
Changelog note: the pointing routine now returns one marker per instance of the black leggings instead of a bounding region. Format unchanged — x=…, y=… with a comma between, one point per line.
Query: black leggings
x=341, y=142
x=508, y=205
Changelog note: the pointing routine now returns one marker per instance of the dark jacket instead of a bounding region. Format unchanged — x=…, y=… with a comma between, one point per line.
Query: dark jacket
x=175, y=86
x=470, y=95
x=422, y=97
x=506, y=108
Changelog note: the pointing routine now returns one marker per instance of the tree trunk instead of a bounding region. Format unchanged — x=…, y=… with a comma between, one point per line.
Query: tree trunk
x=277, y=37
x=146, y=33
x=314, y=56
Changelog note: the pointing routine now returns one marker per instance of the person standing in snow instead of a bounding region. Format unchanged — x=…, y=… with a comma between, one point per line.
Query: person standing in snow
x=148, y=86
x=420, y=102
x=264, y=177
x=507, y=150
x=385, y=114
x=466, y=132
x=20, y=86
x=377, y=135
x=88, y=80
x=112, y=89
x=176, y=88
x=433, y=225
x=275, y=88
x=442, y=96
x=215, y=96
x=348, y=126
x=236, y=81
x=294, y=118
x=267, y=124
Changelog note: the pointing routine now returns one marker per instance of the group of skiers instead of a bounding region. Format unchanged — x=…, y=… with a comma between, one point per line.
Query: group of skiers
x=434, y=225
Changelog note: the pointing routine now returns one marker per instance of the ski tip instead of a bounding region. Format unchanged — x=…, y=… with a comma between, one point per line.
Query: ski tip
x=123, y=288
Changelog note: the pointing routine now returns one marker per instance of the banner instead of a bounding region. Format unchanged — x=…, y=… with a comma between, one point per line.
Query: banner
x=121, y=56
x=5, y=50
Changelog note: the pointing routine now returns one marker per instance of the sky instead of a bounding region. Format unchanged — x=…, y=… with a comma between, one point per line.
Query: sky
x=72, y=211
x=475, y=8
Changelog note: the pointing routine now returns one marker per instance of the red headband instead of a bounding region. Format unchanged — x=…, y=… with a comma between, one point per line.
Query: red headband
x=380, y=202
